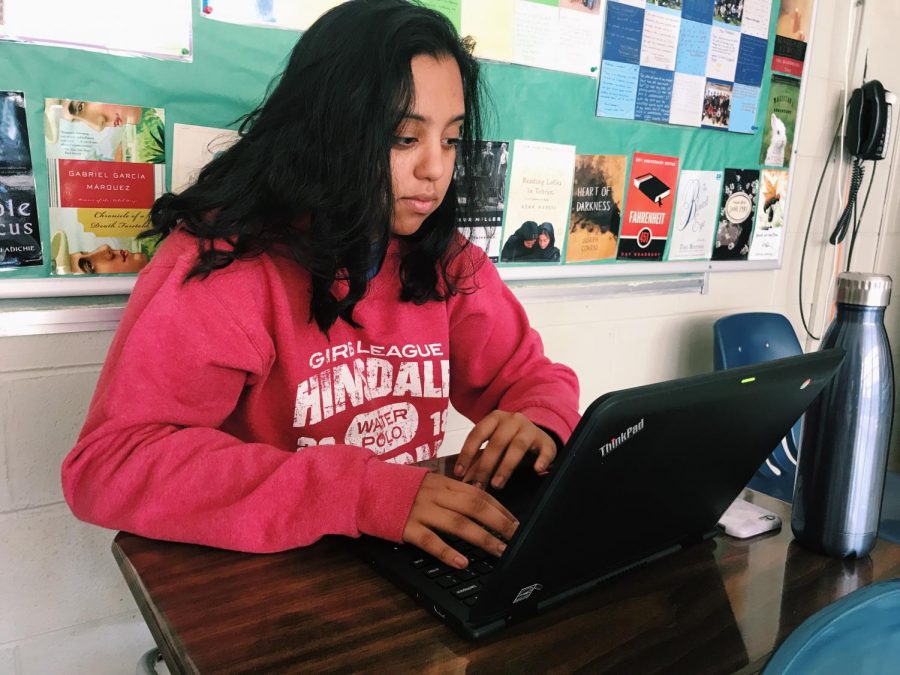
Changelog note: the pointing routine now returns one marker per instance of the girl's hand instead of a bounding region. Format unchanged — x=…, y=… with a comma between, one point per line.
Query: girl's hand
x=509, y=436
x=443, y=504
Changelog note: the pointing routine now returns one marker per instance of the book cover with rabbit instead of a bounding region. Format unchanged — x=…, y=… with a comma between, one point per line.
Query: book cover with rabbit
x=781, y=118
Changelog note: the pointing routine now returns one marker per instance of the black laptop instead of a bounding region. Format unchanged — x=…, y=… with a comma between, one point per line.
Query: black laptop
x=646, y=472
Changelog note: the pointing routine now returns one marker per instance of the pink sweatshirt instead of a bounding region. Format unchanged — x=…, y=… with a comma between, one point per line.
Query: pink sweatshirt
x=223, y=417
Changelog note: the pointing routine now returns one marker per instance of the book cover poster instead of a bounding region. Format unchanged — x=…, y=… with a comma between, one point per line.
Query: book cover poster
x=560, y=35
x=193, y=147
x=597, y=196
x=143, y=28
x=684, y=61
x=768, y=233
x=744, y=107
x=489, y=25
x=780, y=120
x=648, y=207
x=755, y=17
x=106, y=165
x=728, y=12
x=481, y=222
x=792, y=36
x=564, y=35
x=268, y=13
x=716, y=105
x=737, y=210
x=20, y=236
x=694, y=222
x=536, y=33
x=537, y=211
x=580, y=36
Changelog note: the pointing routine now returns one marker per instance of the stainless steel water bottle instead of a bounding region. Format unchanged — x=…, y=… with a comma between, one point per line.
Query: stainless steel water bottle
x=847, y=430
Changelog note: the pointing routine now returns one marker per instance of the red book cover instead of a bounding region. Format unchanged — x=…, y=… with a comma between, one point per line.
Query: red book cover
x=787, y=65
x=791, y=36
x=113, y=185
x=106, y=165
x=648, y=207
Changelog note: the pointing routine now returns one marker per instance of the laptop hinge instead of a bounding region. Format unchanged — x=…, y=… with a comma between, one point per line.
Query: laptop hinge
x=523, y=604
x=523, y=610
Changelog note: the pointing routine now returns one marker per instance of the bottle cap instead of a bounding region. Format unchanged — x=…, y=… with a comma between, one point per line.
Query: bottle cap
x=858, y=288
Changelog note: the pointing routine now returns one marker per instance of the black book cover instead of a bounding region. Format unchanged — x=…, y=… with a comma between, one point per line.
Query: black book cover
x=20, y=237
x=653, y=187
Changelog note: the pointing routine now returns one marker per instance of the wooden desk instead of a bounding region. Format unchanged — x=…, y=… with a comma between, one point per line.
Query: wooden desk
x=720, y=607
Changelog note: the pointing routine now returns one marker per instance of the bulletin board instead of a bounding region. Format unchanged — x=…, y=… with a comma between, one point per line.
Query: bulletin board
x=231, y=68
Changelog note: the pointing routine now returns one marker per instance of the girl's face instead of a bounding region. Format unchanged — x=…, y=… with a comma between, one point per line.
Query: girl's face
x=107, y=260
x=543, y=240
x=98, y=116
x=424, y=151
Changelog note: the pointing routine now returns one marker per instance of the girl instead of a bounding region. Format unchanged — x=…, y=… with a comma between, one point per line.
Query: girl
x=520, y=245
x=546, y=240
x=291, y=348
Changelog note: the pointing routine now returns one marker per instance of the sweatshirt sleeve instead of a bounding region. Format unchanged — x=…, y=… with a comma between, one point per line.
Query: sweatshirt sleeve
x=152, y=458
x=497, y=358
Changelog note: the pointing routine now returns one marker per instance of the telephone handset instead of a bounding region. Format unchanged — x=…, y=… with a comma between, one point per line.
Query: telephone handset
x=867, y=137
x=869, y=121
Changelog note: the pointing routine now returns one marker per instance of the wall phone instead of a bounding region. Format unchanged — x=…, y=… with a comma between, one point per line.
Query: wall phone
x=869, y=121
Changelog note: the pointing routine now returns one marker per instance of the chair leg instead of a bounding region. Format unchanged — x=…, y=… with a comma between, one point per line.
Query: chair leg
x=152, y=663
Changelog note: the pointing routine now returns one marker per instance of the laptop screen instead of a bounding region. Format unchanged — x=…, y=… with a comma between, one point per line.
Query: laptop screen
x=652, y=468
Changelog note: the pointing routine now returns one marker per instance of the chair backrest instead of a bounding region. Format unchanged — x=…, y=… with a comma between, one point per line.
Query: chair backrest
x=754, y=337
x=859, y=633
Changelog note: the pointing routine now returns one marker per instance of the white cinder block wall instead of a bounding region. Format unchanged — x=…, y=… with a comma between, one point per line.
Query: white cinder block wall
x=63, y=605
x=64, y=608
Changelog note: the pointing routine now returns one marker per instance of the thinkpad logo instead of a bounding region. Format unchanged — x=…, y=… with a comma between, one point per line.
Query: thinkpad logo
x=616, y=441
x=526, y=592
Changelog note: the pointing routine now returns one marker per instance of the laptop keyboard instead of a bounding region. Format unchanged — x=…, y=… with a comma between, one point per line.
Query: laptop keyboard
x=464, y=585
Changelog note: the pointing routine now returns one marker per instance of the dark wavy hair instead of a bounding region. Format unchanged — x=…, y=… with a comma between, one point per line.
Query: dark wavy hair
x=311, y=175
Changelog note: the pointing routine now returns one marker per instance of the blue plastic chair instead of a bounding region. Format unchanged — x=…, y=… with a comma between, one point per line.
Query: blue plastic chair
x=754, y=337
x=860, y=634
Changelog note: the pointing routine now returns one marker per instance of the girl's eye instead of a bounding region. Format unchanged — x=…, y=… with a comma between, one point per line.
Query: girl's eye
x=85, y=265
x=452, y=141
x=404, y=140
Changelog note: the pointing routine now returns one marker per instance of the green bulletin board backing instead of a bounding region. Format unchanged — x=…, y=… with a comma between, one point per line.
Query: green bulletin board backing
x=233, y=65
